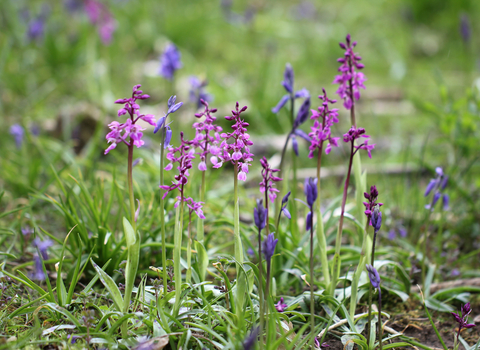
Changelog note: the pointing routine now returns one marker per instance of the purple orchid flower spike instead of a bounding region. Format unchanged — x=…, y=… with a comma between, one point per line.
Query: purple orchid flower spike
x=121, y=132
x=207, y=136
x=372, y=198
x=350, y=80
x=269, y=180
x=462, y=321
x=280, y=306
x=184, y=160
x=238, y=151
x=102, y=18
x=357, y=133
x=324, y=118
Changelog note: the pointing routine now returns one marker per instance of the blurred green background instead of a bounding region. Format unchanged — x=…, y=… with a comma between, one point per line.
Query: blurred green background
x=421, y=105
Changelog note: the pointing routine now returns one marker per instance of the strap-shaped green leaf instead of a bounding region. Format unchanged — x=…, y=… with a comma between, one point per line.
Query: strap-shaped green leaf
x=202, y=260
x=111, y=286
x=129, y=232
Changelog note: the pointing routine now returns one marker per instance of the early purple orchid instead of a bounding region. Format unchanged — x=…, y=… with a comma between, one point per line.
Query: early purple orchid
x=350, y=80
x=194, y=207
x=269, y=180
x=372, y=202
x=184, y=160
x=280, y=306
x=120, y=132
x=101, y=16
x=206, y=136
x=356, y=133
x=321, y=129
x=462, y=321
x=237, y=152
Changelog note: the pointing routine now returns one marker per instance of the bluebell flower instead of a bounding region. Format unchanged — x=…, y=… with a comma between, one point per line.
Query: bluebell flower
x=197, y=91
x=437, y=187
x=259, y=215
x=16, y=130
x=284, y=205
x=268, y=247
x=42, y=246
x=373, y=276
x=311, y=190
x=38, y=273
x=251, y=339
x=303, y=112
x=170, y=61
x=376, y=219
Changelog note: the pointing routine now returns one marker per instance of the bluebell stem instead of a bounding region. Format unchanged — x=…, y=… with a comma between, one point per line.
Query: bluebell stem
x=311, y=192
x=166, y=136
x=288, y=84
x=437, y=187
x=259, y=215
x=375, y=283
x=170, y=61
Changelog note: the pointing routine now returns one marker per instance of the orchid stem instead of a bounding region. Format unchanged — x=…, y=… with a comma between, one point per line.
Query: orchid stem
x=162, y=215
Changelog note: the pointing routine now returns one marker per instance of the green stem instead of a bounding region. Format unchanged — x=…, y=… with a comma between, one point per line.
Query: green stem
x=293, y=205
x=440, y=238
x=358, y=273
x=267, y=298
x=322, y=241
x=162, y=216
x=338, y=242
x=260, y=288
x=312, y=298
x=370, y=292
x=424, y=249
x=177, y=267
x=189, y=249
x=241, y=278
x=128, y=284
x=200, y=226
x=380, y=328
